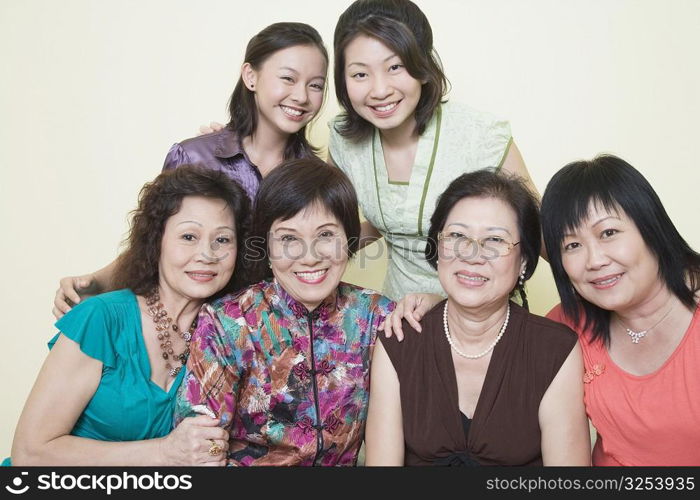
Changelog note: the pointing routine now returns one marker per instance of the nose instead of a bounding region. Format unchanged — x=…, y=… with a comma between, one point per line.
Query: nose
x=300, y=93
x=596, y=257
x=313, y=253
x=206, y=251
x=381, y=89
x=472, y=252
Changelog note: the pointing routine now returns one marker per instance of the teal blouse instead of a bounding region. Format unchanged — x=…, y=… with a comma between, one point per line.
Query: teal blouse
x=127, y=405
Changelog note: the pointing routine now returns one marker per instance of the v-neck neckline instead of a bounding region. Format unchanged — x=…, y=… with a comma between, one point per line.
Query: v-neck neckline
x=415, y=177
x=451, y=374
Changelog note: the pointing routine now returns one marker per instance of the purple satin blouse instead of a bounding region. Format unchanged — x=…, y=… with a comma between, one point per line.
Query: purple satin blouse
x=220, y=151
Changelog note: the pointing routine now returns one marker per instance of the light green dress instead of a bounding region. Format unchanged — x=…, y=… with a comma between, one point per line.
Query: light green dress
x=458, y=139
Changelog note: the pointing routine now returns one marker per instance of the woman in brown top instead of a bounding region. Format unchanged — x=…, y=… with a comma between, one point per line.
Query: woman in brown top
x=486, y=382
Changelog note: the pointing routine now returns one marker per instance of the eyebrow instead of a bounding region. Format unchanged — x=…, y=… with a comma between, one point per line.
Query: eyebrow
x=365, y=65
x=603, y=219
x=296, y=72
x=200, y=225
x=490, y=228
x=294, y=230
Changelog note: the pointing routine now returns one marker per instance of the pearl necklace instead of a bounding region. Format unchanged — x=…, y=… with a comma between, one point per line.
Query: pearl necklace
x=482, y=354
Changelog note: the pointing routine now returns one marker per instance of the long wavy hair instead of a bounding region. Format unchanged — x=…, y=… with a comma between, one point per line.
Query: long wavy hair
x=137, y=265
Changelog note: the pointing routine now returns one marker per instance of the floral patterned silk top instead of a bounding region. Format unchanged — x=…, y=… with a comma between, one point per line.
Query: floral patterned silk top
x=290, y=385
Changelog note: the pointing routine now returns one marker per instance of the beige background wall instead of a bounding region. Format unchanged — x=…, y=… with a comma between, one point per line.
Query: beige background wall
x=94, y=92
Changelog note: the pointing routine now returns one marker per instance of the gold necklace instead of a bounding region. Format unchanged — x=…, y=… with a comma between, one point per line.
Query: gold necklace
x=163, y=324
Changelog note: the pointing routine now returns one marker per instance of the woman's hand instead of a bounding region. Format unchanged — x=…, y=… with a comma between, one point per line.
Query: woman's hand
x=211, y=128
x=412, y=308
x=72, y=289
x=193, y=441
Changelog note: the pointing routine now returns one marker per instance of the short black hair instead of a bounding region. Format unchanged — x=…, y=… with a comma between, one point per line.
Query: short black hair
x=289, y=189
x=489, y=183
x=614, y=184
x=403, y=27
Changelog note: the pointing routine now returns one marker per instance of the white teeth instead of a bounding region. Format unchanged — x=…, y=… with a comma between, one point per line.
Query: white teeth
x=472, y=278
x=311, y=276
x=291, y=111
x=385, y=108
x=607, y=281
x=207, y=275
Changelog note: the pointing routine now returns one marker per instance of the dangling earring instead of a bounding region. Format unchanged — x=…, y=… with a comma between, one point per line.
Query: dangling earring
x=521, y=278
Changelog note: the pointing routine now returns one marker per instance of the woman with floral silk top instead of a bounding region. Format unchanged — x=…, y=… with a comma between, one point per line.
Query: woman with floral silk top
x=285, y=363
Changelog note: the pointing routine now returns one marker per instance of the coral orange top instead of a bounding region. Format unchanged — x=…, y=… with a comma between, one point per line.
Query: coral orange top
x=646, y=420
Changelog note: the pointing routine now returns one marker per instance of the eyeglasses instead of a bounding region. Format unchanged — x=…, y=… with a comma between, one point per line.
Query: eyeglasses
x=455, y=244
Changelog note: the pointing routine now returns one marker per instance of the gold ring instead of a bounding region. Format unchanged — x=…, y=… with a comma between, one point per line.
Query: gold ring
x=214, y=449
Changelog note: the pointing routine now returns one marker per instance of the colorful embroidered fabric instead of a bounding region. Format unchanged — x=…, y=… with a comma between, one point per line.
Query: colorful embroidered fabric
x=291, y=386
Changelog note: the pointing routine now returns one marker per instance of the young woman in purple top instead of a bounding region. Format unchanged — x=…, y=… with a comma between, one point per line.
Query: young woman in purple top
x=280, y=90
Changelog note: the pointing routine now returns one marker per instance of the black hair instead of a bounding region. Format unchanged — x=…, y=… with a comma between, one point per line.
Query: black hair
x=242, y=109
x=615, y=185
x=509, y=188
x=402, y=27
x=293, y=187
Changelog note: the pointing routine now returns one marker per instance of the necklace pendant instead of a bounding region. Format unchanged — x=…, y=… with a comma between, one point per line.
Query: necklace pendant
x=636, y=336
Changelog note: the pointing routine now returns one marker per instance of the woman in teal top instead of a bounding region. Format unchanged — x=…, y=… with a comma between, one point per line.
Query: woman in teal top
x=105, y=394
x=397, y=141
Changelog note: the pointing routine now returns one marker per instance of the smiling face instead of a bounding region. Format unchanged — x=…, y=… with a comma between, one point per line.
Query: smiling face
x=308, y=254
x=198, y=249
x=288, y=87
x=480, y=278
x=608, y=262
x=380, y=88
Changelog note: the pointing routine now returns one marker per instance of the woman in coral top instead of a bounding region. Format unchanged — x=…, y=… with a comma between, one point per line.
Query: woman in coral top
x=628, y=284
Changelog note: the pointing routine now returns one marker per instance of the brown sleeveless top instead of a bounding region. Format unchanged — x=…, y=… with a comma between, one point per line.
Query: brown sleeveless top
x=505, y=427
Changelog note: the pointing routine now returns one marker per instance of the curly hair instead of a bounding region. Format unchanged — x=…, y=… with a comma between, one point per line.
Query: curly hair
x=137, y=266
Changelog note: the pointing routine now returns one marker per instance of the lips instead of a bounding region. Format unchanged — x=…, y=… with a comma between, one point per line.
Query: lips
x=201, y=276
x=606, y=281
x=311, y=277
x=296, y=114
x=471, y=279
x=384, y=110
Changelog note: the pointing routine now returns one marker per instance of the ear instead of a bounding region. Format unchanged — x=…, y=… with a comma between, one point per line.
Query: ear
x=249, y=76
